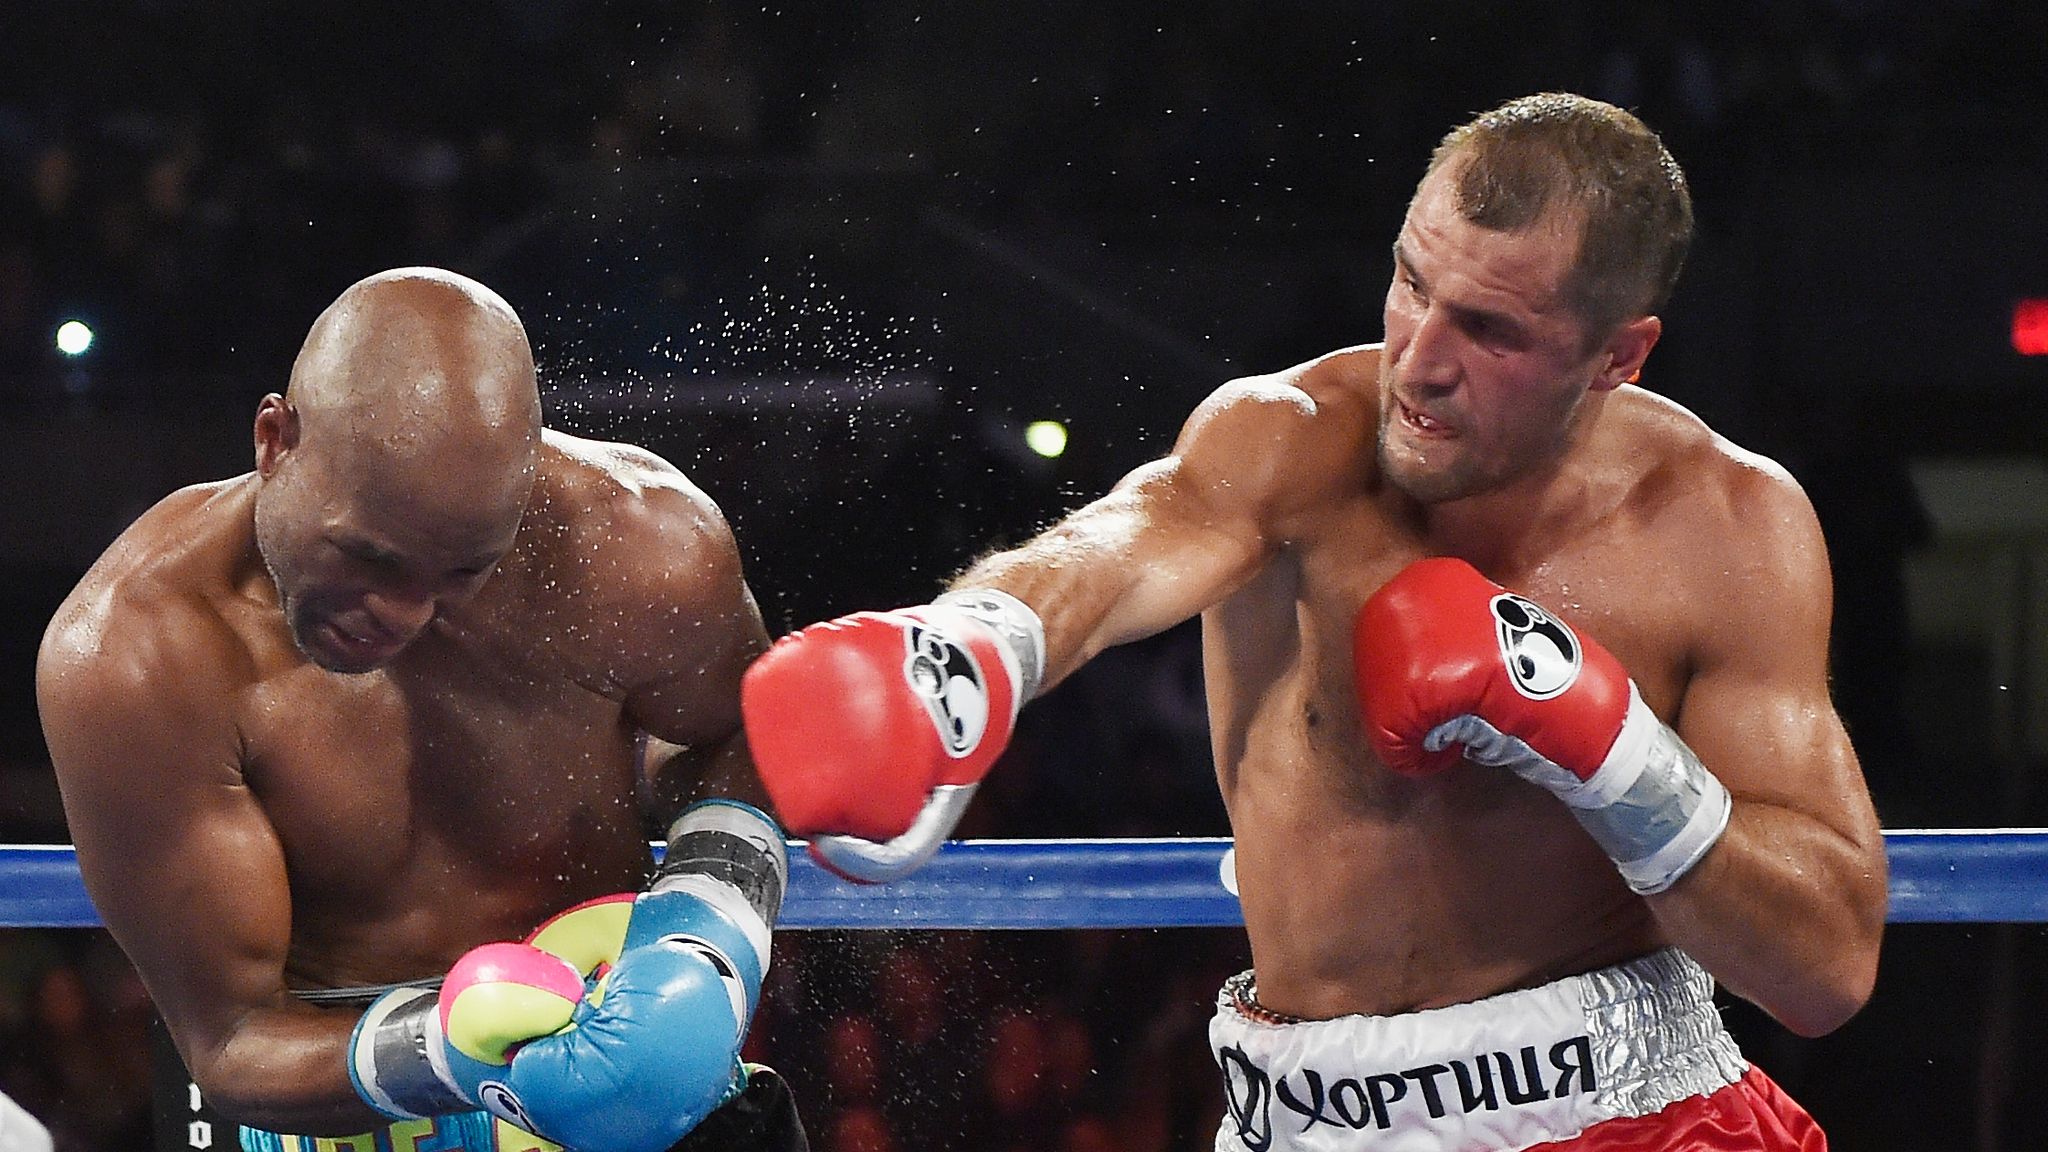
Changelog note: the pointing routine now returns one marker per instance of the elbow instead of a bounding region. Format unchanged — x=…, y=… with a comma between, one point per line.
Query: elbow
x=227, y=1097
x=1842, y=984
x=235, y=1095
x=242, y=1094
x=1841, y=958
x=1827, y=1007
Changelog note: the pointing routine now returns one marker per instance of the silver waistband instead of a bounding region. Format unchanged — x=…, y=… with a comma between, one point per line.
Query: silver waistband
x=1656, y=1018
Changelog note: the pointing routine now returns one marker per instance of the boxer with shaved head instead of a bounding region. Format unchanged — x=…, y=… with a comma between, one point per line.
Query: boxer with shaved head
x=361, y=752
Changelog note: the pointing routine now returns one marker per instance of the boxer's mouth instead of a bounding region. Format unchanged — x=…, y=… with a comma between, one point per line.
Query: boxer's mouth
x=1421, y=422
x=360, y=644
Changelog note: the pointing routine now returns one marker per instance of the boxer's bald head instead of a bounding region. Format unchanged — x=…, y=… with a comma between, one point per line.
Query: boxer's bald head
x=418, y=370
x=397, y=465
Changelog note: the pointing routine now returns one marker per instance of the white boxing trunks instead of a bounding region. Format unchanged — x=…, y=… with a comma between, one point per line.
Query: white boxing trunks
x=1507, y=1072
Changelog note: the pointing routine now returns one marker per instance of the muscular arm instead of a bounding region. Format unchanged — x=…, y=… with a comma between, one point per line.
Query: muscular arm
x=687, y=627
x=1172, y=538
x=1788, y=908
x=185, y=868
x=874, y=730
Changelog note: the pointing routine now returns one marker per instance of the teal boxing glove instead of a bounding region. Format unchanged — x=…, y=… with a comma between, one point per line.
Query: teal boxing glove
x=655, y=1047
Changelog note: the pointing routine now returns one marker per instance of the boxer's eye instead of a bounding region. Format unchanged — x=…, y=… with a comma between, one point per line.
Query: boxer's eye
x=365, y=554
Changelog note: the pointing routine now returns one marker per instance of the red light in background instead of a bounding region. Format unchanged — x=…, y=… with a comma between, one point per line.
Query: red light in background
x=2030, y=327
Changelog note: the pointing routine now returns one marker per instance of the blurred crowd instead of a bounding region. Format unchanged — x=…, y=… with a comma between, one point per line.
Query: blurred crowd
x=74, y=1038
x=197, y=179
x=197, y=199
x=1084, y=1042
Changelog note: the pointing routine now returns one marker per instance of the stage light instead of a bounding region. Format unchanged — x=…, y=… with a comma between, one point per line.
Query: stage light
x=1048, y=438
x=74, y=337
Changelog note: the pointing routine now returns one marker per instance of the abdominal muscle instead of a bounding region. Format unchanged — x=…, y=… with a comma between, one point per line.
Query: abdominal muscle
x=1366, y=892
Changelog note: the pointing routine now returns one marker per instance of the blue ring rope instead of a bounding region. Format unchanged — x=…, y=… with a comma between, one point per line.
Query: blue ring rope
x=1938, y=875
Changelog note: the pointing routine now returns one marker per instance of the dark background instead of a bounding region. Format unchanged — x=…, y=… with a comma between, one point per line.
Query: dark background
x=832, y=257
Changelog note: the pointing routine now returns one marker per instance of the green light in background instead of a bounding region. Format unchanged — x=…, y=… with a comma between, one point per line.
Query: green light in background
x=1048, y=438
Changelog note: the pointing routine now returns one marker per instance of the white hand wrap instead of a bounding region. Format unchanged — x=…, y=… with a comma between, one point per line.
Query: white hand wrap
x=731, y=856
x=1652, y=806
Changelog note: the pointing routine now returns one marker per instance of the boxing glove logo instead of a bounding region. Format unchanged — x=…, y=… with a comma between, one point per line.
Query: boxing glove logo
x=735, y=988
x=950, y=685
x=499, y=1100
x=1541, y=654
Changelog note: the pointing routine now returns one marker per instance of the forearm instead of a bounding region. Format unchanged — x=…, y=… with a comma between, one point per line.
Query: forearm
x=285, y=1069
x=1074, y=597
x=1113, y=573
x=1786, y=912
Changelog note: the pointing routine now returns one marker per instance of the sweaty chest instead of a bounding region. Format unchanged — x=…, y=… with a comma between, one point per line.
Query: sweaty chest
x=450, y=773
x=1600, y=588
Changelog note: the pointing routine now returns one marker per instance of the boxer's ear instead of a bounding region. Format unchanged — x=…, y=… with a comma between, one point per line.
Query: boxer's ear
x=276, y=432
x=1625, y=352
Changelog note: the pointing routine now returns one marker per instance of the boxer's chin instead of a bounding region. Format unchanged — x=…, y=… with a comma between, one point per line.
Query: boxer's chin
x=1427, y=475
x=334, y=650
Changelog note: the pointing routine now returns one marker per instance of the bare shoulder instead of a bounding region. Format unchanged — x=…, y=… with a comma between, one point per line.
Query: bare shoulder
x=1329, y=394
x=1289, y=436
x=606, y=470
x=154, y=592
x=603, y=486
x=141, y=650
x=606, y=508
x=1704, y=493
x=1691, y=461
x=656, y=575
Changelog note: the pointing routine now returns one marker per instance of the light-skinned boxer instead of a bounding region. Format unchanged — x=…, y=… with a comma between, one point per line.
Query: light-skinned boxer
x=1517, y=690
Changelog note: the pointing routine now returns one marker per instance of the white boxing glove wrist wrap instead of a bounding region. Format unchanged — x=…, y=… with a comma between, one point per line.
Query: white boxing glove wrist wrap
x=1014, y=623
x=1652, y=806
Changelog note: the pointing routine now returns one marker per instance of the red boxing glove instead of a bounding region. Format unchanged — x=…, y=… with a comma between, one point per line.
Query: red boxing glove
x=872, y=731
x=1439, y=642
x=1450, y=665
